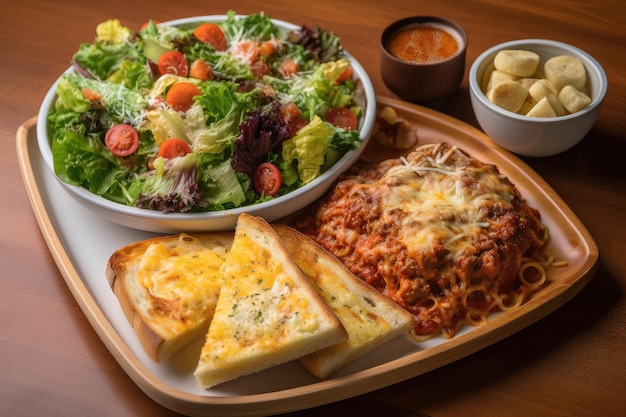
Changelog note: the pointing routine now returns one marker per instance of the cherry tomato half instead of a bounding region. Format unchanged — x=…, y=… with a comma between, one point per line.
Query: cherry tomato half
x=344, y=76
x=267, y=179
x=122, y=139
x=212, y=34
x=171, y=148
x=173, y=62
x=201, y=70
x=180, y=95
x=296, y=124
x=342, y=117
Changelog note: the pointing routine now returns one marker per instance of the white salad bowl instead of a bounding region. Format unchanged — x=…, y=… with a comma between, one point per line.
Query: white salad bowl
x=277, y=208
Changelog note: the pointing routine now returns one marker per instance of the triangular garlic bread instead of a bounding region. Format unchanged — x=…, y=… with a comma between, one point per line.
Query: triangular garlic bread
x=267, y=312
x=168, y=287
x=369, y=317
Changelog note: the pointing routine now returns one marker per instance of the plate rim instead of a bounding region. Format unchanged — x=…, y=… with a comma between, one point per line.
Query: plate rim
x=327, y=391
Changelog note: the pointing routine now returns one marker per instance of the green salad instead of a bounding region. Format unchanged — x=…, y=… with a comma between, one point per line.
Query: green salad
x=203, y=116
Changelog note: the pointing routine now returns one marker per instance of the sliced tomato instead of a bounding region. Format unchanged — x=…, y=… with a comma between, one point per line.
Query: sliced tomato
x=267, y=179
x=122, y=139
x=201, y=70
x=342, y=117
x=296, y=124
x=212, y=34
x=267, y=48
x=171, y=148
x=91, y=95
x=259, y=68
x=344, y=76
x=290, y=111
x=246, y=50
x=288, y=67
x=180, y=95
x=173, y=62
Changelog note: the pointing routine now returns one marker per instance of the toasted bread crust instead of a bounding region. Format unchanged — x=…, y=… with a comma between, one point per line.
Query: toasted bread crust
x=295, y=319
x=260, y=226
x=136, y=301
x=380, y=321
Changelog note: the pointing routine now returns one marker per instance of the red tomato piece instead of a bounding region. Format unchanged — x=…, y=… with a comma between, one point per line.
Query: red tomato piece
x=344, y=76
x=267, y=179
x=342, y=117
x=171, y=148
x=290, y=111
x=259, y=68
x=267, y=48
x=248, y=50
x=296, y=124
x=91, y=95
x=173, y=62
x=288, y=67
x=122, y=139
x=180, y=95
x=201, y=70
x=211, y=33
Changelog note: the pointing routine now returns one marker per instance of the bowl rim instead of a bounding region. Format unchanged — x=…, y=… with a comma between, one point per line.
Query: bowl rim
x=365, y=130
x=477, y=92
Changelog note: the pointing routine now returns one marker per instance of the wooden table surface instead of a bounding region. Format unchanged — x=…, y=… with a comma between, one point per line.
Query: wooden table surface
x=571, y=363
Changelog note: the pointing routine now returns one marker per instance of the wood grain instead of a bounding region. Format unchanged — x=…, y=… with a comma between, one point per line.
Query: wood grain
x=570, y=363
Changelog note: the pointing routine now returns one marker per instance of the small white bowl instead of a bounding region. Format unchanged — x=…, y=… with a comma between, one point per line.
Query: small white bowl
x=533, y=136
x=156, y=221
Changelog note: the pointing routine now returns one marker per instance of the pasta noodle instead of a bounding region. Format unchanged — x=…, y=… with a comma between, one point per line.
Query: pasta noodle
x=442, y=234
x=540, y=273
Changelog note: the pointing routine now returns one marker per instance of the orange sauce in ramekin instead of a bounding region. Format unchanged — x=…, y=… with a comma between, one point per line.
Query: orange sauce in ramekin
x=423, y=44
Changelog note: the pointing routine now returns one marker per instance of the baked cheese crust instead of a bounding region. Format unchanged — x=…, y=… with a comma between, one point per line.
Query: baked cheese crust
x=168, y=287
x=438, y=232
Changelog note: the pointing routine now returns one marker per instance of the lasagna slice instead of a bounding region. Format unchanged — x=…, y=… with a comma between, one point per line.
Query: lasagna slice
x=438, y=232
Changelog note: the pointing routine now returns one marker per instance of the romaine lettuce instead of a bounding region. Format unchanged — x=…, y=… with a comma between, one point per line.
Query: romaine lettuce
x=234, y=124
x=307, y=149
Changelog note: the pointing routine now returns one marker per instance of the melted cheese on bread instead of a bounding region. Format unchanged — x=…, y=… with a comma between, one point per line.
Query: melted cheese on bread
x=184, y=281
x=267, y=312
x=260, y=305
x=369, y=318
x=168, y=287
x=354, y=311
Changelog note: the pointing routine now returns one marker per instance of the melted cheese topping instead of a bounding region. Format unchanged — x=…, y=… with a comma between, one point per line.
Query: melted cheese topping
x=357, y=314
x=259, y=308
x=439, y=206
x=438, y=232
x=184, y=280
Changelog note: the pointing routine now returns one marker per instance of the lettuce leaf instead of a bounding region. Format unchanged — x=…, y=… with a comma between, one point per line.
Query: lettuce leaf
x=223, y=189
x=308, y=149
x=123, y=104
x=112, y=31
x=85, y=161
x=132, y=74
x=315, y=92
x=254, y=26
x=100, y=60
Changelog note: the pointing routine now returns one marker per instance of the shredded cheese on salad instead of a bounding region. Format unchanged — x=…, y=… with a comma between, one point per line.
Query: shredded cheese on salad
x=270, y=96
